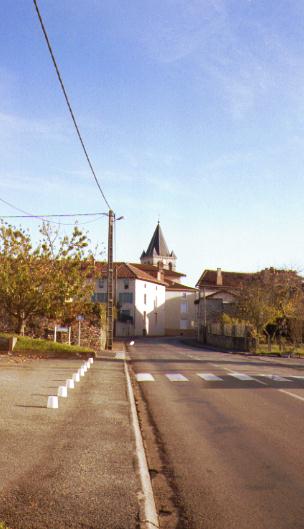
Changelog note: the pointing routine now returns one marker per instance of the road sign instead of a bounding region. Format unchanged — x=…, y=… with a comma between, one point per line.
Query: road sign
x=80, y=318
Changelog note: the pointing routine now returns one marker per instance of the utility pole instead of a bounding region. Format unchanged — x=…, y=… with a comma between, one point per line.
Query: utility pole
x=110, y=282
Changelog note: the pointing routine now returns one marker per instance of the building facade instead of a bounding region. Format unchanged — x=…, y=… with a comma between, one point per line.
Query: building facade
x=138, y=297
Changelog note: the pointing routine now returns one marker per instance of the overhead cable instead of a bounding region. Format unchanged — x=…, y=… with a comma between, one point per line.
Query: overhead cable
x=46, y=218
x=68, y=103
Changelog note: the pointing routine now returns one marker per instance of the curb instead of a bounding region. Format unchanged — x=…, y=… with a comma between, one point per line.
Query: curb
x=150, y=513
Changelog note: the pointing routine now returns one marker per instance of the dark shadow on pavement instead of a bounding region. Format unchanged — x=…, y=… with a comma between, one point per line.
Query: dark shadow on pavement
x=29, y=406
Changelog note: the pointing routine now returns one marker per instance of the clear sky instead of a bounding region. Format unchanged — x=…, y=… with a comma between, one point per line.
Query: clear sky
x=192, y=112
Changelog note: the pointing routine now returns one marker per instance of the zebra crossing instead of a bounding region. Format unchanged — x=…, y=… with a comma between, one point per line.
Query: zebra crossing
x=211, y=377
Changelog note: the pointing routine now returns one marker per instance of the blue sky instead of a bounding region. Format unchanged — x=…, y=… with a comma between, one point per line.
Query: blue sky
x=192, y=112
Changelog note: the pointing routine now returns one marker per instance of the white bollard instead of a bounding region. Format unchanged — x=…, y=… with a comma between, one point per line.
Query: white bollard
x=52, y=402
x=70, y=383
x=81, y=372
x=62, y=391
x=76, y=377
x=91, y=360
x=85, y=367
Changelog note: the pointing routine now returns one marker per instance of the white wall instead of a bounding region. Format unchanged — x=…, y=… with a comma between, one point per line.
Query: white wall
x=153, y=305
x=150, y=308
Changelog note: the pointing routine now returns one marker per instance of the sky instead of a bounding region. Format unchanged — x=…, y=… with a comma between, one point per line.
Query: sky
x=192, y=112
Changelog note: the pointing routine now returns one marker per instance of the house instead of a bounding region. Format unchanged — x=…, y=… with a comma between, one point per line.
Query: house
x=139, y=298
x=180, y=310
x=217, y=294
x=149, y=296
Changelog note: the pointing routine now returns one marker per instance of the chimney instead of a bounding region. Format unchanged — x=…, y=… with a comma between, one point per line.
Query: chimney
x=219, y=277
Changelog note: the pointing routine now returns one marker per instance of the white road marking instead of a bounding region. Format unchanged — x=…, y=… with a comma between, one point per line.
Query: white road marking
x=176, y=377
x=255, y=379
x=297, y=376
x=242, y=376
x=276, y=378
x=144, y=377
x=121, y=355
x=215, y=365
x=291, y=394
x=209, y=377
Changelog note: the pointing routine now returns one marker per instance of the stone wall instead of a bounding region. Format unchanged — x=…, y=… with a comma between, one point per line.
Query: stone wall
x=234, y=337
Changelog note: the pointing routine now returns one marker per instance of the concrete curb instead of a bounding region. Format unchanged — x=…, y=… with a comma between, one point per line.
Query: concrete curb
x=150, y=513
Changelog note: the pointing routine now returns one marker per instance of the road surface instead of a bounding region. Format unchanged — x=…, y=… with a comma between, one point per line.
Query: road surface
x=230, y=430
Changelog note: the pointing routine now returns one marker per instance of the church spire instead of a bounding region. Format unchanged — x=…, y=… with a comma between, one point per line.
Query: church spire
x=158, y=251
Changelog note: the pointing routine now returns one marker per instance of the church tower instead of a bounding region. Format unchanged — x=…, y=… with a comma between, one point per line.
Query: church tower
x=157, y=253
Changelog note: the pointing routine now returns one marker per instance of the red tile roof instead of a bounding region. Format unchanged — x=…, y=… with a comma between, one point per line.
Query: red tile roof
x=229, y=279
x=172, y=286
x=126, y=271
x=153, y=269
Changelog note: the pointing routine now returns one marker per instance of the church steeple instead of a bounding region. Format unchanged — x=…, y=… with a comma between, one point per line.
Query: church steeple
x=158, y=252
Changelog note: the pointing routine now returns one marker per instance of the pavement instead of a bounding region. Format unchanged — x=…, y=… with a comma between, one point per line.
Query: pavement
x=68, y=468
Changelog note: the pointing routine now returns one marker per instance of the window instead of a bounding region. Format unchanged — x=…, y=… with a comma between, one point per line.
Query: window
x=145, y=299
x=126, y=284
x=184, y=307
x=125, y=297
x=155, y=316
x=124, y=316
x=101, y=282
x=184, y=294
x=100, y=297
x=183, y=324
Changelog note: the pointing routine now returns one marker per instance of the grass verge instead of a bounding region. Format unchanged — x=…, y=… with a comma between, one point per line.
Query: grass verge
x=28, y=346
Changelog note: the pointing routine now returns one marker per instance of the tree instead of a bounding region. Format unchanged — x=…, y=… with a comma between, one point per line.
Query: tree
x=269, y=299
x=43, y=279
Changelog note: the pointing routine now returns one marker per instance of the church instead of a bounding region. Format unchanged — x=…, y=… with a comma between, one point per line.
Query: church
x=150, y=297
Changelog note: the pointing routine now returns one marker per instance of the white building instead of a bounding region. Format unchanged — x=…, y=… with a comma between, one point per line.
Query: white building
x=149, y=296
x=139, y=298
x=180, y=309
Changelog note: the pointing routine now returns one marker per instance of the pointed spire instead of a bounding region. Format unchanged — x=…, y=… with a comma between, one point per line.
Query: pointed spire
x=158, y=245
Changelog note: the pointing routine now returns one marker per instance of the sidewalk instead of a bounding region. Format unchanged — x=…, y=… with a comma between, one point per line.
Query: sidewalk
x=70, y=468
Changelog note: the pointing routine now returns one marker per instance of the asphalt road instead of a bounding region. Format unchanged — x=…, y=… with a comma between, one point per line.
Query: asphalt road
x=234, y=446
x=70, y=468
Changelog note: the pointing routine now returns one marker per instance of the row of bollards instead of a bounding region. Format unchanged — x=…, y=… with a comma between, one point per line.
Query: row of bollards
x=52, y=401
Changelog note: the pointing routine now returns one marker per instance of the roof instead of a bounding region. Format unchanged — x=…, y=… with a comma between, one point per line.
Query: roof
x=158, y=245
x=153, y=269
x=172, y=285
x=126, y=271
x=229, y=279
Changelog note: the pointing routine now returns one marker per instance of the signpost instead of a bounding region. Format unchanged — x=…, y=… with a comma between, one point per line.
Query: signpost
x=62, y=329
x=79, y=318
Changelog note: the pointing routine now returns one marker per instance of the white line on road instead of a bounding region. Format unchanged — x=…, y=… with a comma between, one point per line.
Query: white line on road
x=241, y=376
x=255, y=379
x=144, y=377
x=275, y=378
x=120, y=355
x=151, y=518
x=291, y=394
x=209, y=377
x=176, y=377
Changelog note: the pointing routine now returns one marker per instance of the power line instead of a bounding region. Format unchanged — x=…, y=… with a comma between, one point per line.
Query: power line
x=47, y=217
x=68, y=103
